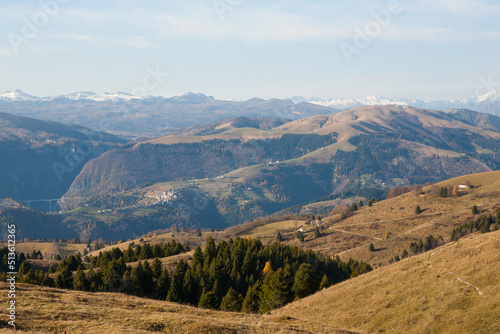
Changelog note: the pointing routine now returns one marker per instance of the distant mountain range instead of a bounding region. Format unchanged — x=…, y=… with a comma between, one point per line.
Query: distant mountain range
x=487, y=103
x=148, y=116
x=240, y=169
x=40, y=159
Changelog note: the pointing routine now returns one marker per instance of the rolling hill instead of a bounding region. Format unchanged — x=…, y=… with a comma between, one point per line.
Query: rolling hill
x=40, y=159
x=246, y=172
x=453, y=288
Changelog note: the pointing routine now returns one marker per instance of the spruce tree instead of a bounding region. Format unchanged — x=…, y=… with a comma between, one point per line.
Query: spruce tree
x=418, y=210
x=208, y=300
x=231, y=301
x=157, y=268
x=325, y=282
x=276, y=290
x=80, y=281
x=163, y=285
x=354, y=207
x=317, y=233
x=305, y=282
x=65, y=278
x=371, y=248
x=475, y=210
x=251, y=301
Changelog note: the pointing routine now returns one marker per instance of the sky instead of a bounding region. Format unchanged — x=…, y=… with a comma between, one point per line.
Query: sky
x=240, y=49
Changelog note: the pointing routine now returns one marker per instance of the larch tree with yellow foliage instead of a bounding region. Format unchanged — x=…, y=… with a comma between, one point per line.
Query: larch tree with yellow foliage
x=267, y=268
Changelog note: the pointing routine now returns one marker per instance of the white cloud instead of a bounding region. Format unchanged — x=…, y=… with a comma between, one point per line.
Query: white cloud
x=134, y=41
x=476, y=8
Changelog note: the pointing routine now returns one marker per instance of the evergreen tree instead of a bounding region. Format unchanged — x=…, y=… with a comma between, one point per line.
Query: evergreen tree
x=305, y=282
x=443, y=192
x=231, y=301
x=360, y=204
x=163, y=285
x=189, y=288
x=300, y=236
x=198, y=256
x=208, y=300
x=418, y=210
x=354, y=207
x=475, y=210
x=405, y=254
x=325, y=282
x=251, y=301
x=80, y=281
x=371, y=248
x=317, y=233
x=65, y=278
x=157, y=268
x=279, y=238
x=276, y=290
x=175, y=291
x=24, y=268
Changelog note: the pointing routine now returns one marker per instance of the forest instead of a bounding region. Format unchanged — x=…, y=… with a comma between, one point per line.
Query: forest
x=235, y=275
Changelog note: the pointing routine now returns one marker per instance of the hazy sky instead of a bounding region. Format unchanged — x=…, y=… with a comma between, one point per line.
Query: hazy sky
x=239, y=49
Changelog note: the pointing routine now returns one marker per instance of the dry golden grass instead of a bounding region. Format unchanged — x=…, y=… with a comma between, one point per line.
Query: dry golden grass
x=46, y=310
x=62, y=249
x=452, y=289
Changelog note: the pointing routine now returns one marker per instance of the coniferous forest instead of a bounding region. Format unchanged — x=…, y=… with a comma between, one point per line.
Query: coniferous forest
x=237, y=275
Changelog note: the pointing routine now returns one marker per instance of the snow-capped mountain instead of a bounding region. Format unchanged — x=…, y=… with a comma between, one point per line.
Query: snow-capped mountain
x=17, y=95
x=489, y=102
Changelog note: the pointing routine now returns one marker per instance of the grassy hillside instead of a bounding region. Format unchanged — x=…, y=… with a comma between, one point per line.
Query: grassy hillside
x=453, y=289
x=47, y=310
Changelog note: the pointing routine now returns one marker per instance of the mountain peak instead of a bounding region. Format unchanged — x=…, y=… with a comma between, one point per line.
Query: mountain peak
x=16, y=95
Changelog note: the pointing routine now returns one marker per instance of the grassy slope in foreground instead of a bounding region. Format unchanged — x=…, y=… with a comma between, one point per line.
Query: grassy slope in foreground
x=452, y=289
x=46, y=310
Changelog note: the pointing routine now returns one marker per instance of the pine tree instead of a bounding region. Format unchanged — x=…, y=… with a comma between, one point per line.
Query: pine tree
x=251, y=301
x=80, y=281
x=360, y=204
x=475, y=210
x=231, y=301
x=354, y=207
x=325, y=283
x=65, y=278
x=453, y=235
x=305, y=282
x=157, y=268
x=300, y=236
x=189, y=288
x=418, y=210
x=279, y=238
x=24, y=268
x=208, y=300
x=371, y=248
x=276, y=290
x=317, y=233
x=405, y=254
x=163, y=285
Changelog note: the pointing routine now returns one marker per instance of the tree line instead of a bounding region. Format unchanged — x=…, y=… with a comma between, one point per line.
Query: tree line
x=235, y=275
